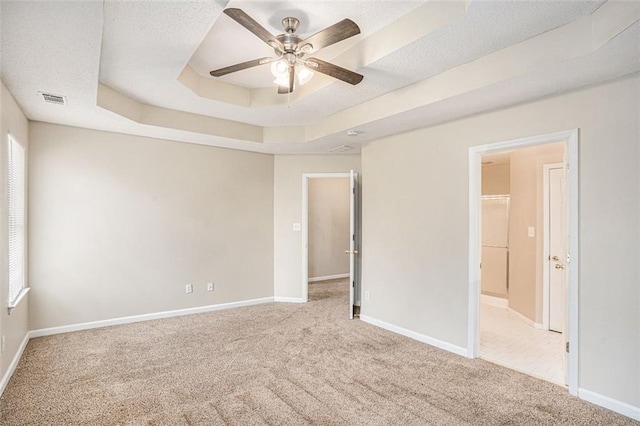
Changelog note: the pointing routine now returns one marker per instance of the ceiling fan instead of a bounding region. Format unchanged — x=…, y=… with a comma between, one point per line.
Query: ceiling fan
x=290, y=63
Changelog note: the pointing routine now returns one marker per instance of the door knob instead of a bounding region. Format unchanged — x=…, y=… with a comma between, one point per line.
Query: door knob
x=559, y=266
x=349, y=252
x=555, y=258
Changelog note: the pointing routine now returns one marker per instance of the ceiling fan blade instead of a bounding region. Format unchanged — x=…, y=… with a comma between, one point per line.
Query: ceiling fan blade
x=252, y=25
x=242, y=66
x=334, y=71
x=283, y=90
x=292, y=75
x=330, y=35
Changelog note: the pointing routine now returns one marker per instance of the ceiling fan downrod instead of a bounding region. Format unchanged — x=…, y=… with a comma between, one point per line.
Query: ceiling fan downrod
x=290, y=24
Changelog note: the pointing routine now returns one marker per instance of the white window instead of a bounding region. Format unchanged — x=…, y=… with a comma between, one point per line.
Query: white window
x=16, y=204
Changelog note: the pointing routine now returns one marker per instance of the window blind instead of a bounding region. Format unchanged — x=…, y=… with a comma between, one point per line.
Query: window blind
x=16, y=202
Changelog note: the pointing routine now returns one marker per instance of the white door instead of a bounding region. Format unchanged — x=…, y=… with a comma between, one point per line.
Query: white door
x=557, y=256
x=353, y=242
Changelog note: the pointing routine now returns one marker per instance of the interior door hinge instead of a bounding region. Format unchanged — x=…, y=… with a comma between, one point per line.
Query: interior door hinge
x=567, y=347
x=568, y=257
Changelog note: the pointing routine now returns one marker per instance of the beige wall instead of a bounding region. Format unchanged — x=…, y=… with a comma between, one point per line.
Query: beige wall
x=15, y=326
x=288, y=210
x=526, y=210
x=416, y=221
x=120, y=224
x=495, y=179
x=328, y=227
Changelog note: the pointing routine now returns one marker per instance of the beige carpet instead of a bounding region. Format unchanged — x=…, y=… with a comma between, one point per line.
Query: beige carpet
x=276, y=364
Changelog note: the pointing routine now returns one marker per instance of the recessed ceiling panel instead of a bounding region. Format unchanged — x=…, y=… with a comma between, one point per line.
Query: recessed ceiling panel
x=229, y=43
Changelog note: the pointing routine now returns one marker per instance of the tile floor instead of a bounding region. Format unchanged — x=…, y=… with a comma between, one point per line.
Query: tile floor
x=508, y=340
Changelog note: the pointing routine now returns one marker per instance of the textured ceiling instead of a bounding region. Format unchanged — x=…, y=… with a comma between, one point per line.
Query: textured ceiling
x=140, y=49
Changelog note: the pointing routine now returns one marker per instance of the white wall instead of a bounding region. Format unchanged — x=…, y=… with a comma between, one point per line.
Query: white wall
x=120, y=224
x=416, y=215
x=288, y=210
x=16, y=325
x=329, y=204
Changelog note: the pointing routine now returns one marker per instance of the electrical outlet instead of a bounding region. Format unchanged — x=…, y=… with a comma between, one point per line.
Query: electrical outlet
x=366, y=295
x=189, y=288
x=3, y=342
x=210, y=286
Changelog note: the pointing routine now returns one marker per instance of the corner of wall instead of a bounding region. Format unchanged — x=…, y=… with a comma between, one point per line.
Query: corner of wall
x=14, y=328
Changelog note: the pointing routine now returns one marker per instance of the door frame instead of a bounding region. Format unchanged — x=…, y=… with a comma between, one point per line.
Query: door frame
x=305, y=225
x=571, y=139
x=546, y=250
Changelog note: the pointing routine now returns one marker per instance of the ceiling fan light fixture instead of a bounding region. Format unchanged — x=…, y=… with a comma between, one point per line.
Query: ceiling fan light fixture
x=282, y=81
x=304, y=74
x=280, y=69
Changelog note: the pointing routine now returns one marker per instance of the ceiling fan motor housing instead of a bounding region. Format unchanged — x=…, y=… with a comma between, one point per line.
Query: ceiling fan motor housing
x=290, y=42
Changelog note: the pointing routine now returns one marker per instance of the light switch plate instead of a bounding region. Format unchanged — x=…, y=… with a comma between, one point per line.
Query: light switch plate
x=531, y=232
x=297, y=227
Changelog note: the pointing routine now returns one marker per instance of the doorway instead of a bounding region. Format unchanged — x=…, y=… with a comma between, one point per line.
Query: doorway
x=330, y=233
x=518, y=304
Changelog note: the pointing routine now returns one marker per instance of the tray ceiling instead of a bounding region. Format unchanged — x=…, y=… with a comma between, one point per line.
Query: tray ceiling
x=142, y=67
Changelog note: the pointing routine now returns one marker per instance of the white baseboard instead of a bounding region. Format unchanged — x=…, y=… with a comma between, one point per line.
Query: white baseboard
x=525, y=319
x=417, y=336
x=328, y=277
x=289, y=299
x=146, y=317
x=14, y=363
x=494, y=301
x=610, y=403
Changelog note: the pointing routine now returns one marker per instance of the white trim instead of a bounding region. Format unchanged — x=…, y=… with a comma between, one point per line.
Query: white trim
x=498, y=302
x=458, y=350
x=475, y=252
x=146, y=317
x=546, y=251
x=305, y=224
x=289, y=299
x=610, y=403
x=328, y=277
x=573, y=282
x=570, y=137
x=525, y=319
x=14, y=363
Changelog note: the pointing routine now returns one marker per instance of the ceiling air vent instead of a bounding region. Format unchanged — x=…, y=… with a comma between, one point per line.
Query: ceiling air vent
x=341, y=148
x=54, y=99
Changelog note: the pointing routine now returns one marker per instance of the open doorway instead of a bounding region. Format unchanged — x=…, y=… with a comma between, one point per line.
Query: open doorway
x=328, y=221
x=330, y=260
x=523, y=223
x=522, y=206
